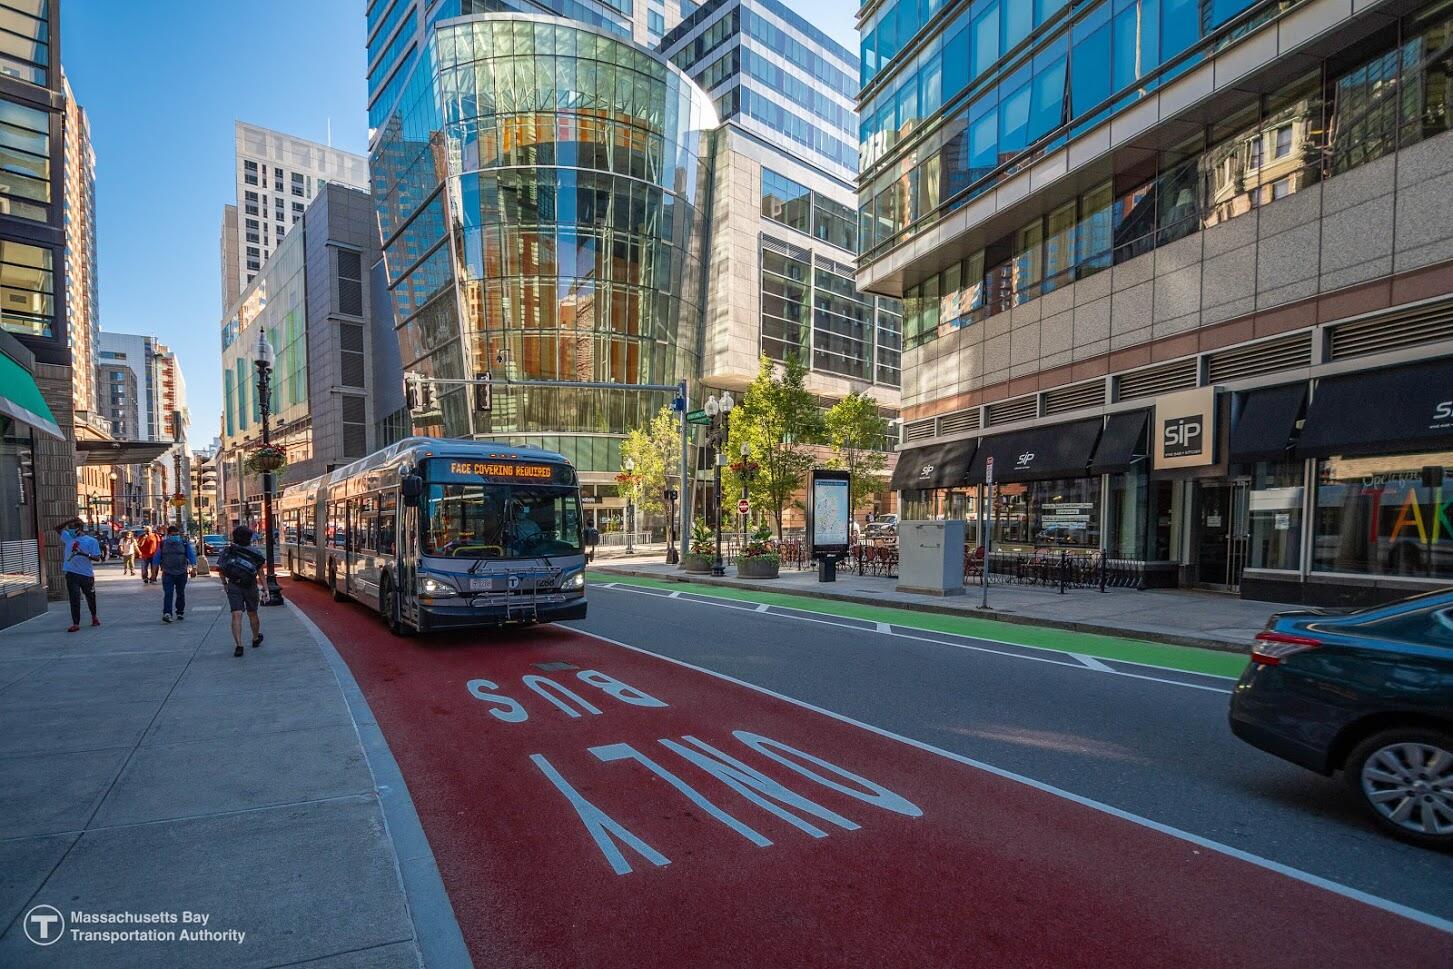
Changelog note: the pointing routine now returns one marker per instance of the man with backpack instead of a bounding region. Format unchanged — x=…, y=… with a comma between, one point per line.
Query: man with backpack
x=175, y=558
x=240, y=566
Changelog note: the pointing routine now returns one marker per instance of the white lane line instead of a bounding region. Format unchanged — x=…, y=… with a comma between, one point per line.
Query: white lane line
x=1092, y=663
x=887, y=630
x=1306, y=877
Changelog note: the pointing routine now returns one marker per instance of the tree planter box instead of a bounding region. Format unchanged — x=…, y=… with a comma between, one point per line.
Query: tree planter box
x=757, y=568
x=698, y=564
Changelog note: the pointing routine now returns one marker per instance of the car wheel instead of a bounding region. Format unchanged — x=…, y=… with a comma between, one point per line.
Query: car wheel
x=1404, y=779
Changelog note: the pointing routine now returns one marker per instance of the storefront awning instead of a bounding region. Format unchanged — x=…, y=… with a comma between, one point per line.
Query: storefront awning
x=1268, y=420
x=1123, y=444
x=120, y=452
x=1037, y=453
x=21, y=399
x=1398, y=409
x=933, y=466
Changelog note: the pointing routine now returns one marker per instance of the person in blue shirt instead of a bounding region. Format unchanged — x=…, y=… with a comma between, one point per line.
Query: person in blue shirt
x=175, y=558
x=79, y=553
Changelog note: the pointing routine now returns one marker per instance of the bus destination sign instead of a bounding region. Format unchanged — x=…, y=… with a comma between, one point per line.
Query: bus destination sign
x=493, y=469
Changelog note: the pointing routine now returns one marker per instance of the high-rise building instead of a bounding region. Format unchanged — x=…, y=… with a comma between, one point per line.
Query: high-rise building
x=79, y=213
x=143, y=391
x=328, y=394
x=277, y=176
x=32, y=259
x=1181, y=273
x=398, y=29
x=550, y=237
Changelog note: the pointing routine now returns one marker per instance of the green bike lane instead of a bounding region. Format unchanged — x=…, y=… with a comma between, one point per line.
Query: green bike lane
x=1072, y=643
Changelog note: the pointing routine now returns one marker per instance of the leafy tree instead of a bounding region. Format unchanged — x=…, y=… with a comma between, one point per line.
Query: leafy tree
x=656, y=449
x=777, y=418
x=855, y=431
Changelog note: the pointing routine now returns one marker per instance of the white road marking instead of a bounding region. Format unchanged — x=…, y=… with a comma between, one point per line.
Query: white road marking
x=1074, y=661
x=1092, y=663
x=1306, y=877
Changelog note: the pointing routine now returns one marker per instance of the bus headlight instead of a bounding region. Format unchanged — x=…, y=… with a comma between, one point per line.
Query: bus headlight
x=576, y=581
x=435, y=588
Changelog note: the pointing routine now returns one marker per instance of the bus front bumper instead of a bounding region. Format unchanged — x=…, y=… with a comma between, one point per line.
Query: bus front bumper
x=462, y=613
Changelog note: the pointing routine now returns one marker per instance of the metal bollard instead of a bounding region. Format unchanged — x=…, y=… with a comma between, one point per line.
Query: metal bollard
x=1064, y=571
x=1102, y=572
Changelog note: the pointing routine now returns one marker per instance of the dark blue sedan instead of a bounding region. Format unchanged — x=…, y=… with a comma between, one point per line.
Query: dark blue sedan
x=1369, y=693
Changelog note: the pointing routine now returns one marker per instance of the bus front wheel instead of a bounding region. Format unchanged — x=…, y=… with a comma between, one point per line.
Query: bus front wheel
x=391, y=608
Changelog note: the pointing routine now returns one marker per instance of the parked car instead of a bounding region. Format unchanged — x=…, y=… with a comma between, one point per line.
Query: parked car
x=884, y=526
x=212, y=544
x=1368, y=693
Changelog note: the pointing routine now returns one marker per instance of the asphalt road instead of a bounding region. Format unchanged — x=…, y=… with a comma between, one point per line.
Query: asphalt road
x=680, y=780
x=1157, y=749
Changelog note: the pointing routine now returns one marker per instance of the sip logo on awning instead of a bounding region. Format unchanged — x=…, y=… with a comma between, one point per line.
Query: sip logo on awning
x=1443, y=413
x=1186, y=428
x=1025, y=460
x=926, y=471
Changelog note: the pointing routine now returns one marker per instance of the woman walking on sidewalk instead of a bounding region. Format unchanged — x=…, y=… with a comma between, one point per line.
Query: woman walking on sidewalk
x=128, y=553
x=80, y=552
x=175, y=558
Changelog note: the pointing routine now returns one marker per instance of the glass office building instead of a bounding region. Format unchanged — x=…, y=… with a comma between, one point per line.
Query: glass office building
x=1151, y=252
x=539, y=189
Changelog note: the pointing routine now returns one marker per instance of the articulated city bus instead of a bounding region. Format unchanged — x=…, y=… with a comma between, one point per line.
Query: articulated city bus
x=439, y=534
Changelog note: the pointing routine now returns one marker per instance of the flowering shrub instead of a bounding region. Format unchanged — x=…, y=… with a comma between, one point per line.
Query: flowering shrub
x=760, y=546
x=702, y=542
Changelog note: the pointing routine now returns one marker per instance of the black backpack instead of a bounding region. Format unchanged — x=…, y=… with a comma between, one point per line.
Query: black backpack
x=237, y=566
x=174, y=556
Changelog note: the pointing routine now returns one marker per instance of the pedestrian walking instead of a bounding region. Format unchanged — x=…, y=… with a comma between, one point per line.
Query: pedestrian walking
x=175, y=558
x=127, y=547
x=146, y=548
x=239, y=567
x=80, y=552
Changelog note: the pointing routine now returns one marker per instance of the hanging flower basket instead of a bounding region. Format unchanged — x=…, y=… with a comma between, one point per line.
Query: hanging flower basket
x=267, y=458
x=744, y=469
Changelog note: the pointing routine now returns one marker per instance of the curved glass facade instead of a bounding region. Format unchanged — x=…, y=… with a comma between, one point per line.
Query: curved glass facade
x=539, y=191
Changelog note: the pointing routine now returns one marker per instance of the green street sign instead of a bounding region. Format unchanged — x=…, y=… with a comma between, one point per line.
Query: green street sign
x=697, y=417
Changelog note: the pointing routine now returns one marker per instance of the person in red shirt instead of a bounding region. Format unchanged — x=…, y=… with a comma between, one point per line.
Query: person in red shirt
x=145, y=548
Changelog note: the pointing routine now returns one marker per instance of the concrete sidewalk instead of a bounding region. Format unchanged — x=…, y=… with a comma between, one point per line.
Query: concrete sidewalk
x=1179, y=616
x=147, y=770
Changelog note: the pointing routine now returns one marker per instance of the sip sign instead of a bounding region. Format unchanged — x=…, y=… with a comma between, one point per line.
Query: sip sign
x=1186, y=429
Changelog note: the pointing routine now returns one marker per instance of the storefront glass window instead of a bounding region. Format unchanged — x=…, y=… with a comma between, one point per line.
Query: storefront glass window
x=1059, y=513
x=21, y=569
x=1275, y=510
x=1385, y=515
x=1127, y=497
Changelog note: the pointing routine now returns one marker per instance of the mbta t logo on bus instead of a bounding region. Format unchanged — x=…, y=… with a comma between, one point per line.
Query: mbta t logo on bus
x=1184, y=436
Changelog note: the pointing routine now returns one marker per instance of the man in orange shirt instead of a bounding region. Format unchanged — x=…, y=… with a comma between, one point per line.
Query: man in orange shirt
x=145, y=548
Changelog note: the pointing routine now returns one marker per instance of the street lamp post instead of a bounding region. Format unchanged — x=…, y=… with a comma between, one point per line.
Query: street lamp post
x=631, y=506
x=720, y=412
x=746, y=480
x=263, y=360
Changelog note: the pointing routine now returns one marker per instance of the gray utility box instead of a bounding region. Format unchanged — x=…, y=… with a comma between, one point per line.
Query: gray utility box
x=931, y=558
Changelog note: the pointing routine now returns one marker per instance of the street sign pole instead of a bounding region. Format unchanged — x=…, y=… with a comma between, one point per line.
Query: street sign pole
x=688, y=490
x=988, y=532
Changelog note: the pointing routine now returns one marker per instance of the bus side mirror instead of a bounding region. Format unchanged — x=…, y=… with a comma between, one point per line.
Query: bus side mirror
x=592, y=537
x=411, y=487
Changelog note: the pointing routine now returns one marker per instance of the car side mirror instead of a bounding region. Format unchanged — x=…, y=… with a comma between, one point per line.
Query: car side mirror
x=411, y=487
x=592, y=537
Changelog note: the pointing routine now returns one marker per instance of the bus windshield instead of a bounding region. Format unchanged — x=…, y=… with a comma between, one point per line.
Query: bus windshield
x=501, y=521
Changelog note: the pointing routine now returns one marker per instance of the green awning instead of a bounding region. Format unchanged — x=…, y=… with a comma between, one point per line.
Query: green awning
x=20, y=398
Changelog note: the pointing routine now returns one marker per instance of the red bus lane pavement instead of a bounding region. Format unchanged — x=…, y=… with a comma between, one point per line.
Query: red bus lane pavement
x=590, y=804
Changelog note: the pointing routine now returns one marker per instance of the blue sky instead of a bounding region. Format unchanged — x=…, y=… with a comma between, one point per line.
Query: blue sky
x=162, y=81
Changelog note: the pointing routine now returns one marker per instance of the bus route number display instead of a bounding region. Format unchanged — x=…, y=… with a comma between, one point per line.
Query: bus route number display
x=492, y=469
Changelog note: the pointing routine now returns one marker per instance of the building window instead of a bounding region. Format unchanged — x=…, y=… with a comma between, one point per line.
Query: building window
x=27, y=289
x=1385, y=516
x=24, y=160
x=785, y=201
x=1275, y=529
x=298, y=188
